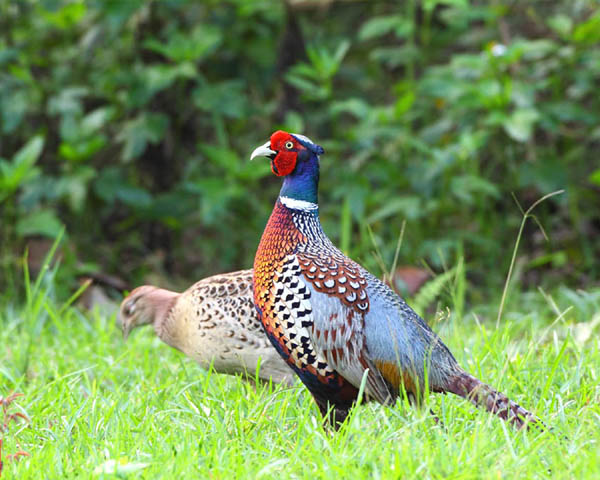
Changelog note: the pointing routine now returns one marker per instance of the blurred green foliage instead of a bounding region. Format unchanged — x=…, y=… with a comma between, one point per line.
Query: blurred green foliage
x=131, y=123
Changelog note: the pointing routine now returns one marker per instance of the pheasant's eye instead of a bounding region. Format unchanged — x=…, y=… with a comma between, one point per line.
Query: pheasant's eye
x=129, y=309
x=289, y=145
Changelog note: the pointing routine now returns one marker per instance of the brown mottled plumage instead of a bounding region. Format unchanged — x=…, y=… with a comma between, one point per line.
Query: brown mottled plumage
x=212, y=322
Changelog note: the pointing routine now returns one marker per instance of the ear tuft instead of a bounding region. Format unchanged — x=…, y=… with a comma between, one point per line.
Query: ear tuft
x=309, y=144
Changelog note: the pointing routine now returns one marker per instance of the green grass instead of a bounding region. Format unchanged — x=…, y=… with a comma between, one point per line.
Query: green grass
x=93, y=399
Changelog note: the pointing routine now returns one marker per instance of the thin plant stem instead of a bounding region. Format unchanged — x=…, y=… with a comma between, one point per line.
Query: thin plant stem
x=526, y=215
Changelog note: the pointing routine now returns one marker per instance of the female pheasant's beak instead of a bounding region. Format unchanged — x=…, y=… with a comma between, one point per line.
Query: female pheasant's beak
x=264, y=151
x=126, y=326
x=125, y=318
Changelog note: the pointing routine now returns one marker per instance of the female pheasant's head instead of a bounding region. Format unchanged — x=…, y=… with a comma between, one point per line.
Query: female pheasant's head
x=296, y=158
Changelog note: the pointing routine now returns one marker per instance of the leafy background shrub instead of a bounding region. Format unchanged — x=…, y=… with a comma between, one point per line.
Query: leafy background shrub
x=131, y=123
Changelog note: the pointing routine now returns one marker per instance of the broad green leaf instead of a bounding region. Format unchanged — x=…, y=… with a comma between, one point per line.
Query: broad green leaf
x=224, y=157
x=29, y=153
x=588, y=32
x=21, y=169
x=595, y=177
x=41, y=222
x=67, y=16
x=431, y=4
x=519, y=125
x=67, y=100
x=14, y=104
x=82, y=149
x=8, y=54
x=307, y=87
x=353, y=106
x=561, y=24
x=158, y=77
x=380, y=26
x=404, y=103
x=470, y=188
x=97, y=119
x=568, y=111
x=75, y=186
x=293, y=122
x=138, y=132
x=536, y=49
x=395, y=56
x=546, y=175
x=407, y=207
x=134, y=196
x=192, y=46
x=314, y=79
x=340, y=53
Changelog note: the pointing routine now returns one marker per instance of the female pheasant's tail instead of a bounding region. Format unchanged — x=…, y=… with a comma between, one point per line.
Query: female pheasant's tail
x=482, y=395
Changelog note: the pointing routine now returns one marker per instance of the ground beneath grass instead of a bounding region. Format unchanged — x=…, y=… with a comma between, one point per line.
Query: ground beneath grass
x=97, y=405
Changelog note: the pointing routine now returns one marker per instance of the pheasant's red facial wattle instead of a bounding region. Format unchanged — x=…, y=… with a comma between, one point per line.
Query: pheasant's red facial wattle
x=287, y=148
x=284, y=163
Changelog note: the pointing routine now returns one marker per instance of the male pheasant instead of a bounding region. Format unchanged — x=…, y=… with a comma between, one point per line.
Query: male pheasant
x=213, y=322
x=334, y=322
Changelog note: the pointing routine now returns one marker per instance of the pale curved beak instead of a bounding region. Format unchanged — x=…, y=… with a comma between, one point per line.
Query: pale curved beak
x=126, y=327
x=125, y=324
x=263, y=151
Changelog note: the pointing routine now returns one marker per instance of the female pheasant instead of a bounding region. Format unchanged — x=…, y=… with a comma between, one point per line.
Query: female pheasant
x=334, y=322
x=213, y=322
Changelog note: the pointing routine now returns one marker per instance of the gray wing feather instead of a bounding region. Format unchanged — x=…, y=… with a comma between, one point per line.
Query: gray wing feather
x=338, y=334
x=395, y=333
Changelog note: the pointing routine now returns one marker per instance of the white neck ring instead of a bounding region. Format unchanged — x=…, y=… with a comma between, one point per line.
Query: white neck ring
x=295, y=204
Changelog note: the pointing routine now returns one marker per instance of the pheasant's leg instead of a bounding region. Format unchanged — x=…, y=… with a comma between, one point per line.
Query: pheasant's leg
x=333, y=415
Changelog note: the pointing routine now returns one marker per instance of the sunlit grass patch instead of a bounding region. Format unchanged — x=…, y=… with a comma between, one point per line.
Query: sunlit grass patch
x=100, y=407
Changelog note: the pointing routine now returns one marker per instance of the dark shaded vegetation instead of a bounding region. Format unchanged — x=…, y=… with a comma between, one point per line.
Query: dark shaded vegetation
x=131, y=124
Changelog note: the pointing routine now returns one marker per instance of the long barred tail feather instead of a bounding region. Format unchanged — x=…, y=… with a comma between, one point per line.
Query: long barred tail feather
x=482, y=395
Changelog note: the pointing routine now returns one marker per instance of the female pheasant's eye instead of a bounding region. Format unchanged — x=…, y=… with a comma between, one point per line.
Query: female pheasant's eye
x=289, y=145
